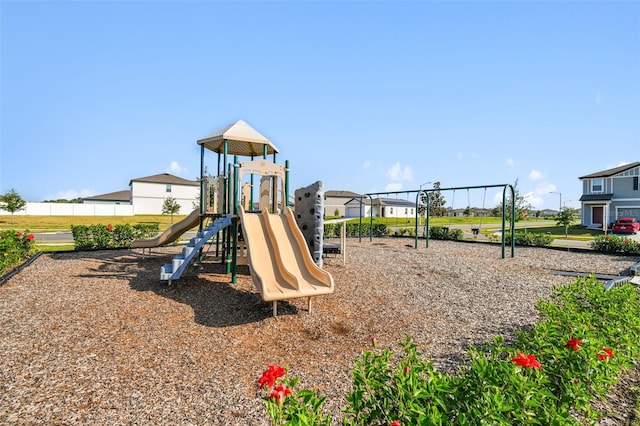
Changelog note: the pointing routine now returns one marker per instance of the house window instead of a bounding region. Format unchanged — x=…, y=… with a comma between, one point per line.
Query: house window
x=596, y=185
x=406, y=212
x=390, y=210
x=168, y=187
x=635, y=183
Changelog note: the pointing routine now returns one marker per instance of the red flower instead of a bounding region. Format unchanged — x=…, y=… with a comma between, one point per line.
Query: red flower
x=374, y=342
x=573, y=343
x=607, y=238
x=608, y=353
x=18, y=234
x=406, y=370
x=30, y=237
x=109, y=228
x=395, y=423
x=270, y=375
x=280, y=392
x=527, y=361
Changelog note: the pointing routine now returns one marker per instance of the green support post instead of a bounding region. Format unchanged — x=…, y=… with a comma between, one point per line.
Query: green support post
x=228, y=237
x=234, y=221
x=286, y=183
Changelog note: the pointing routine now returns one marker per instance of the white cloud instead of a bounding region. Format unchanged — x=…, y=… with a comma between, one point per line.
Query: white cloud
x=393, y=186
x=544, y=188
x=398, y=173
x=176, y=168
x=366, y=164
x=535, y=174
x=509, y=162
x=70, y=194
x=533, y=199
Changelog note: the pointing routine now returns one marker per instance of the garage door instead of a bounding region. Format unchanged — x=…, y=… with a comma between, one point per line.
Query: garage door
x=629, y=212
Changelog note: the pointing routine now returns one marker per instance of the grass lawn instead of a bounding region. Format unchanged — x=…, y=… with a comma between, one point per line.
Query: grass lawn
x=64, y=223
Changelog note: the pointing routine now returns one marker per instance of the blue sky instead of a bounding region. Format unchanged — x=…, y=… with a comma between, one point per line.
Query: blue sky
x=364, y=96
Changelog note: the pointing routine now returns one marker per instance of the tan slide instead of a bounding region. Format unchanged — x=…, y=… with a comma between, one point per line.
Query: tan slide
x=279, y=260
x=170, y=234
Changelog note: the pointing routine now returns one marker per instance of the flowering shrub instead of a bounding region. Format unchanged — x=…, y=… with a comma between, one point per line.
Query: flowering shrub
x=91, y=237
x=15, y=248
x=615, y=244
x=285, y=406
x=586, y=337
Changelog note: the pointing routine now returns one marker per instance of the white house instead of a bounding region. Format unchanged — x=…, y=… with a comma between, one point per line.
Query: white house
x=382, y=207
x=149, y=193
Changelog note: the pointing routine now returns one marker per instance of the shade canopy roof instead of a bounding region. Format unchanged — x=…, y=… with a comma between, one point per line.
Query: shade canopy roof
x=241, y=138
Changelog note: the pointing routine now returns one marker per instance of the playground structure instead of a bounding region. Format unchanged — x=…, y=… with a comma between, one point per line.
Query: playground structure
x=261, y=233
x=419, y=192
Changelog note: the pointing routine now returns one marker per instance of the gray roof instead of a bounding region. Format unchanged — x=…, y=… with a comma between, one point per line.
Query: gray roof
x=392, y=202
x=611, y=172
x=596, y=197
x=165, y=178
x=112, y=196
x=341, y=194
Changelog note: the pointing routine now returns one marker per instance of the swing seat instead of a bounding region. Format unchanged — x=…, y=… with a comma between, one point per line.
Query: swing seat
x=331, y=249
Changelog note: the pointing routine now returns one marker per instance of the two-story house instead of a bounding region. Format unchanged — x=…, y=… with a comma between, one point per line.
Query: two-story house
x=148, y=194
x=610, y=194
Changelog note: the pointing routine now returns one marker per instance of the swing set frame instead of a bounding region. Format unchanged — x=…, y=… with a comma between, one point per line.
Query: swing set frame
x=505, y=187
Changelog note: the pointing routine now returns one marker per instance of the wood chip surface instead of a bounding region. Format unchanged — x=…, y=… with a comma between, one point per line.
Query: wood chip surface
x=95, y=338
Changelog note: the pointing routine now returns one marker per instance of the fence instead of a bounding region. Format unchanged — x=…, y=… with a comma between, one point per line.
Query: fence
x=73, y=209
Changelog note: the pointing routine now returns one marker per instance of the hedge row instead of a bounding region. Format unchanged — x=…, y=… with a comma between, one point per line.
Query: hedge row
x=92, y=237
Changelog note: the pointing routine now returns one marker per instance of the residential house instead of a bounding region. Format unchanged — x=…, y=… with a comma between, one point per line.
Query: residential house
x=382, y=207
x=149, y=193
x=610, y=194
x=334, y=201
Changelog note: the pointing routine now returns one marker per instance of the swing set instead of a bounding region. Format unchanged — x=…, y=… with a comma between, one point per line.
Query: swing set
x=426, y=192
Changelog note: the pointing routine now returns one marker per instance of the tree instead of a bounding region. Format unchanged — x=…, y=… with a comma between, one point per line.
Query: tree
x=566, y=217
x=522, y=205
x=170, y=206
x=436, y=201
x=12, y=202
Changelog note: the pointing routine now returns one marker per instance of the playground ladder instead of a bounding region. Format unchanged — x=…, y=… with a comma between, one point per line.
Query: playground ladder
x=173, y=271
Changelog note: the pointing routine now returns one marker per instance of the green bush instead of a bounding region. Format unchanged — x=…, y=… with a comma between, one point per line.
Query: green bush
x=585, y=339
x=530, y=239
x=615, y=244
x=332, y=230
x=15, y=248
x=444, y=233
x=93, y=237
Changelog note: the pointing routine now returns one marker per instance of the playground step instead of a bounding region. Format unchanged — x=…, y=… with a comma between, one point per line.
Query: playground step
x=174, y=270
x=166, y=271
